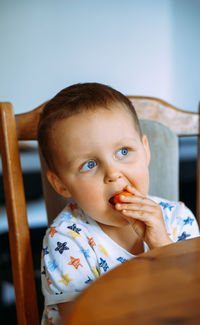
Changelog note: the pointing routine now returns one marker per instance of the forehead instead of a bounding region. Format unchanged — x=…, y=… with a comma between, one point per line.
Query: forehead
x=90, y=131
x=116, y=117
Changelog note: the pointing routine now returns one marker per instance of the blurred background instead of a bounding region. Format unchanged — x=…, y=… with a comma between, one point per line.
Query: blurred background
x=146, y=47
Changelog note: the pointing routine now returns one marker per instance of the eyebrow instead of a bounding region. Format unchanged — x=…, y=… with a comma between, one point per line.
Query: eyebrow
x=122, y=141
x=76, y=160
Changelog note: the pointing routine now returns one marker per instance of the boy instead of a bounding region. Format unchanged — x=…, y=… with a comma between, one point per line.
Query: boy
x=91, y=140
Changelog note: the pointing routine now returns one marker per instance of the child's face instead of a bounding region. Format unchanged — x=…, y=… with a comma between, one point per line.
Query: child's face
x=97, y=154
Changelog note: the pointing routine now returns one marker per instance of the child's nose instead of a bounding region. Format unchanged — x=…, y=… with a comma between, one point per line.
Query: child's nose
x=112, y=174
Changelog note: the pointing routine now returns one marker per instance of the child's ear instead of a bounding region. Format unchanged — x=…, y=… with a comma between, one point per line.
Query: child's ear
x=146, y=147
x=57, y=184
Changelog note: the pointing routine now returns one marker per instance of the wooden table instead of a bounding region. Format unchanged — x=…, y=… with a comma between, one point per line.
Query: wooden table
x=161, y=286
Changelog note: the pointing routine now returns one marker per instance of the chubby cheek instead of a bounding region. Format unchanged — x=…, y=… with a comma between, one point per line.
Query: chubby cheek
x=145, y=184
x=87, y=197
x=140, y=180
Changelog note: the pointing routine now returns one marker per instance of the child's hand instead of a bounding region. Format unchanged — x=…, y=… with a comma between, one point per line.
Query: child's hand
x=146, y=218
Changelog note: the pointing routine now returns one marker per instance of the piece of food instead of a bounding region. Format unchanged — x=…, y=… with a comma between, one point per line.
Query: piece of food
x=116, y=198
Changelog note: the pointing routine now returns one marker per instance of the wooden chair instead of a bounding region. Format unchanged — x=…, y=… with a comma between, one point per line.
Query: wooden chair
x=24, y=127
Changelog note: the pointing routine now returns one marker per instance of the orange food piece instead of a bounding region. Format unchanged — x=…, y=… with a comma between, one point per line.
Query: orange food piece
x=116, y=198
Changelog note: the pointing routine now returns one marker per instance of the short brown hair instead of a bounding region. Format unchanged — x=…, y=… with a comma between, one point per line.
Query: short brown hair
x=76, y=99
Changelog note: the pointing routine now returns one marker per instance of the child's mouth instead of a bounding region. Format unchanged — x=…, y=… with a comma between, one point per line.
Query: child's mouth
x=116, y=198
x=111, y=201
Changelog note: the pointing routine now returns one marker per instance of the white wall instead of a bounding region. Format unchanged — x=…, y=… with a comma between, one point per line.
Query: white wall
x=139, y=47
x=185, y=85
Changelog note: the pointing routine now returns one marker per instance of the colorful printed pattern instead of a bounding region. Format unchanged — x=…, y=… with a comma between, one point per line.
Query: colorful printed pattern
x=76, y=252
x=179, y=220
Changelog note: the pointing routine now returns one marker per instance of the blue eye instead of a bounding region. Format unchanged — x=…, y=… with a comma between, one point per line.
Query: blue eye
x=88, y=165
x=122, y=152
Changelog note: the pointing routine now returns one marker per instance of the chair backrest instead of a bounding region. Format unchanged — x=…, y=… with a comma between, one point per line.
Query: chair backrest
x=166, y=124
x=163, y=162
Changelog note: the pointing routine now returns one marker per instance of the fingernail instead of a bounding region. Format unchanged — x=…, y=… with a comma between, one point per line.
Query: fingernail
x=118, y=205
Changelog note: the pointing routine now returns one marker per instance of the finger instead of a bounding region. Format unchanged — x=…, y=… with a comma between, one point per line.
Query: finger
x=131, y=198
x=133, y=190
x=144, y=216
x=136, y=195
x=141, y=200
x=136, y=207
x=151, y=220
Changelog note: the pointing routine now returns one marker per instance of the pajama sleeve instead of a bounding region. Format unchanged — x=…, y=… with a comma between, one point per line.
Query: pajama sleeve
x=69, y=262
x=186, y=223
x=179, y=220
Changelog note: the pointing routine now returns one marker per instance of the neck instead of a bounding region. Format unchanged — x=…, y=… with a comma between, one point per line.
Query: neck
x=126, y=237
